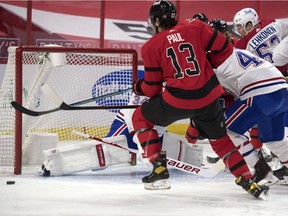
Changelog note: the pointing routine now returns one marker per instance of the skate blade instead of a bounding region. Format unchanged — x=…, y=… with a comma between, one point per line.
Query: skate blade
x=264, y=196
x=284, y=181
x=158, y=185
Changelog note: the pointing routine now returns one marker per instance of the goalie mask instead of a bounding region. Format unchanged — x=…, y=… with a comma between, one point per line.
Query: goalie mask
x=165, y=11
x=219, y=24
x=245, y=16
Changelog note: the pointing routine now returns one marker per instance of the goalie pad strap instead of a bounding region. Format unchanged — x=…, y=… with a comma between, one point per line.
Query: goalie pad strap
x=101, y=156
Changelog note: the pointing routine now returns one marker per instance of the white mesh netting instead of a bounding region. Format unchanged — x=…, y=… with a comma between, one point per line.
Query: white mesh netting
x=73, y=76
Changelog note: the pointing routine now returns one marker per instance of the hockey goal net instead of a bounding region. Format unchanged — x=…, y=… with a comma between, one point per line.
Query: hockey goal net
x=73, y=74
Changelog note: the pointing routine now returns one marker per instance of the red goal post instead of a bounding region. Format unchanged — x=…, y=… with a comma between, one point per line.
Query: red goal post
x=73, y=74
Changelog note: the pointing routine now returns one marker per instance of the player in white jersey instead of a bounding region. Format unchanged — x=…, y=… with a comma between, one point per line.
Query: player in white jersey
x=262, y=100
x=260, y=36
x=280, y=53
x=256, y=161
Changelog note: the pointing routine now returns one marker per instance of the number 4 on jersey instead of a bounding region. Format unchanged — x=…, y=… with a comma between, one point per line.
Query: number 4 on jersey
x=245, y=60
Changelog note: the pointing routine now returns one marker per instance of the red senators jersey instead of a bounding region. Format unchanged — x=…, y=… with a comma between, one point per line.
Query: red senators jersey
x=177, y=58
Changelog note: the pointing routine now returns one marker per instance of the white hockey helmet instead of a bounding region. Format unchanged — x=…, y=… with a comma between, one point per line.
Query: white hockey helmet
x=244, y=16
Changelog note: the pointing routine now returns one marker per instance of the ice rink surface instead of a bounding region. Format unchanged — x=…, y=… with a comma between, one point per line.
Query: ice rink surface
x=118, y=191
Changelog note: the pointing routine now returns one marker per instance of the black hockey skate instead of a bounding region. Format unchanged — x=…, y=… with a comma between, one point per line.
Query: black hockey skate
x=252, y=187
x=282, y=175
x=263, y=174
x=158, y=178
x=262, y=153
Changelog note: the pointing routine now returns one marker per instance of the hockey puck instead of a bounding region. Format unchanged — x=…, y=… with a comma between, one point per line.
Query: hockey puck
x=10, y=182
x=212, y=160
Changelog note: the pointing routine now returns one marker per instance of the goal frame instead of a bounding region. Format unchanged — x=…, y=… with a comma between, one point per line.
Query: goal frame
x=19, y=85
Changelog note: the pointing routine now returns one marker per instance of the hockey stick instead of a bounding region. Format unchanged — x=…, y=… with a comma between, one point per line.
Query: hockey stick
x=73, y=106
x=103, y=141
x=203, y=171
x=207, y=172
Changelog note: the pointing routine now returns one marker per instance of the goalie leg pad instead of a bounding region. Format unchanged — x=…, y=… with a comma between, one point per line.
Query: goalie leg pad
x=73, y=158
x=85, y=156
x=178, y=148
x=115, y=155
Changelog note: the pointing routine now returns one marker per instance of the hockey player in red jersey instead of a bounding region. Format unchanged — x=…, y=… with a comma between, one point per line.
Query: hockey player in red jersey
x=181, y=83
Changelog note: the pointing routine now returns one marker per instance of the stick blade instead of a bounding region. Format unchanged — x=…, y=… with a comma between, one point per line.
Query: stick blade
x=22, y=109
x=26, y=111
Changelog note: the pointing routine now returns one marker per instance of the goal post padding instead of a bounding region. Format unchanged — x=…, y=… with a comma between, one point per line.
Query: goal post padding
x=74, y=74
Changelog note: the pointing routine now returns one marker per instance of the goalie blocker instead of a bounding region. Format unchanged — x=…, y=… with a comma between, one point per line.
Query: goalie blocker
x=94, y=155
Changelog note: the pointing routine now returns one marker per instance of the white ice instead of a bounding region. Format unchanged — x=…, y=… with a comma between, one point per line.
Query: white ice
x=119, y=191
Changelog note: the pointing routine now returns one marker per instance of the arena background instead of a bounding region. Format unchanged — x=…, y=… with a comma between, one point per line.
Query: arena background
x=118, y=190
x=105, y=24
x=110, y=24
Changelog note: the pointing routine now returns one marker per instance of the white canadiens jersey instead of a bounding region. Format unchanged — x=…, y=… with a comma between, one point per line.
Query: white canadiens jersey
x=247, y=75
x=264, y=41
x=280, y=54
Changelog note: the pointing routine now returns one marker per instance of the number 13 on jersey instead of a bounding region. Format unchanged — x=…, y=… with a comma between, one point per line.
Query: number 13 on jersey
x=191, y=66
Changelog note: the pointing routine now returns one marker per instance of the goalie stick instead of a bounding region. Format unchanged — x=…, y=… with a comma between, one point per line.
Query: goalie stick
x=73, y=106
x=102, y=140
x=203, y=171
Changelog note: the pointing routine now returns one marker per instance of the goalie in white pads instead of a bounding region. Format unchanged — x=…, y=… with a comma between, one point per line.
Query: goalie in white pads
x=94, y=155
x=83, y=156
